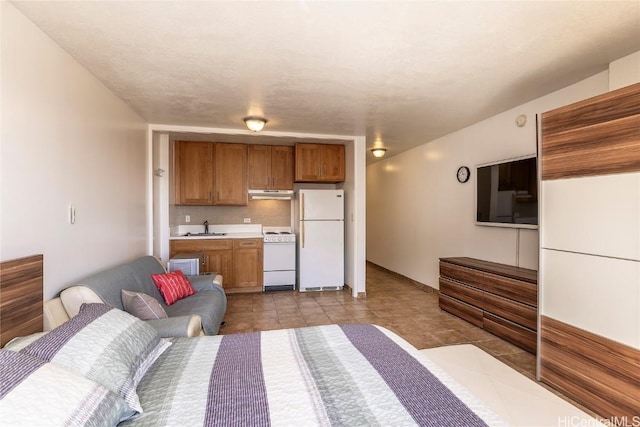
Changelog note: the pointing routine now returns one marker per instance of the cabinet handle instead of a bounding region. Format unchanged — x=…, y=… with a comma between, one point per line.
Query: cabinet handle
x=218, y=196
x=209, y=195
x=319, y=172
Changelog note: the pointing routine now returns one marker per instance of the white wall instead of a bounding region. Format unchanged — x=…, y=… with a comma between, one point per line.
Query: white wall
x=66, y=139
x=624, y=71
x=161, y=189
x=417, y=212
x=355, y=215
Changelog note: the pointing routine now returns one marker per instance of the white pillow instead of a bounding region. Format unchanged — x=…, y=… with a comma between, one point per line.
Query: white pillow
x=37, y=393
x=103, y=344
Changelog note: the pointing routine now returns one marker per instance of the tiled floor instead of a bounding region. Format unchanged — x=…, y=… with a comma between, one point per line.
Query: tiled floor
x=393, y=302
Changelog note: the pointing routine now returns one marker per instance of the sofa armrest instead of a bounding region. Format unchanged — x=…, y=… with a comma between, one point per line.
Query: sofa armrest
x=73, y=297
x=206, y=282
x=181, y=326
x=54, y=314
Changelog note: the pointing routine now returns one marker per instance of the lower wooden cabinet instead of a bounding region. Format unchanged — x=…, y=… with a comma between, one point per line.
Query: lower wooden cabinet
x=247, y=265
x=220, y=261
x=501, y=299
x=239, y=261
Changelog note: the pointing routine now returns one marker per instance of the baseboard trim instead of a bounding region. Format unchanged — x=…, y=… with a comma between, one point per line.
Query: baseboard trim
x=419, y=285
x=350, y=289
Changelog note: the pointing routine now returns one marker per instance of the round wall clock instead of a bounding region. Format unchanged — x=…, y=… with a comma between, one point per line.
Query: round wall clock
x=463, y=174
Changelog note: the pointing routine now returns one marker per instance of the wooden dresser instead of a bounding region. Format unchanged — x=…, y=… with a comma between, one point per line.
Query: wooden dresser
x=500, y=298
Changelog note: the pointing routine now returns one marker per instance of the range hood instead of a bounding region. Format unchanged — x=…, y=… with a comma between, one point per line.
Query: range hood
x=270, y=194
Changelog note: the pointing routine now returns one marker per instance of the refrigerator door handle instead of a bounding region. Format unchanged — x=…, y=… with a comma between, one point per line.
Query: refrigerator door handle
x=302, y=233
x=302, y=207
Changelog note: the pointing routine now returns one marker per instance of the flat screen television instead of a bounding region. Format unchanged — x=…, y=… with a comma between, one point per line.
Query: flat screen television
x=507, y=193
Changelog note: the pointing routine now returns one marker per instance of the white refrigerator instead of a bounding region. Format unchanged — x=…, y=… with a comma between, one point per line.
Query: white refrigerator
x=320, y=238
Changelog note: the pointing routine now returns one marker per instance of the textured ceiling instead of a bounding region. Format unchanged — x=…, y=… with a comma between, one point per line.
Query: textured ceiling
x=402, y=72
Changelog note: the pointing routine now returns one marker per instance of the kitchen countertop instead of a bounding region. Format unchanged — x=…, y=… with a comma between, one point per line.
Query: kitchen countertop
x=233, y=231
x=247, y=235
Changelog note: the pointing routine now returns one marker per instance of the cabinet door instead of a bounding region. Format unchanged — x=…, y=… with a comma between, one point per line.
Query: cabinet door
x=247, y=262
x=259, y=160
x=332, y=167
x=230, y=174
x=319, y=163
x=307, y=163
x=282, y=167
x=221, y=262
x=194, y=173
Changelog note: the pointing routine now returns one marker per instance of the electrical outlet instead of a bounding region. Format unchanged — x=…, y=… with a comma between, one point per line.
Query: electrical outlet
x=187, y=218
x=247, y=220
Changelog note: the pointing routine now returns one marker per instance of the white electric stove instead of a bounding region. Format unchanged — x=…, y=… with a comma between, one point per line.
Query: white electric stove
x=279, y=258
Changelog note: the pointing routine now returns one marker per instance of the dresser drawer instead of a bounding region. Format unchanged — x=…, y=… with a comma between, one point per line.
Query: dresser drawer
x=467, y=312
x=467, y=294
x=465, y=275
x=522, y=314
x=524, y=292
x=515, y=334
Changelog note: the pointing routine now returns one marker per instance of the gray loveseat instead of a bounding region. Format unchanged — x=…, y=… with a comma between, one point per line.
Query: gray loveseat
x=206, y=307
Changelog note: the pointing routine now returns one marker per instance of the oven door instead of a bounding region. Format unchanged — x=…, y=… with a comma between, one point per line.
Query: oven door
x=279, y=256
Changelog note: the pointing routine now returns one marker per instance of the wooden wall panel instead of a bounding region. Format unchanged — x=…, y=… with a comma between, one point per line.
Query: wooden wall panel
x=20, y=297
x=610, y=106
x=598, y=136
x=599, y=373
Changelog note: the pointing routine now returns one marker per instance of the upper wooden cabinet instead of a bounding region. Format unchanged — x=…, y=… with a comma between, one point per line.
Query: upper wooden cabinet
x=194, y=173
x=319, y=163
x=210, y=173
x=230, y=183
x=270, y=167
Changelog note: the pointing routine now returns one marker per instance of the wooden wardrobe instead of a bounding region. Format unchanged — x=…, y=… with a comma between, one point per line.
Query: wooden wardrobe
x=589, y=339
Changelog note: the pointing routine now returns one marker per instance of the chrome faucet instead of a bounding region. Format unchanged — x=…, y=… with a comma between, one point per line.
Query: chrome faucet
x=206, y=226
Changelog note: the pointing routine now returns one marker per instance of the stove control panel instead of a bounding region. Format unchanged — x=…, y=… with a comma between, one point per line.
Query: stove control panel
x=279, y=238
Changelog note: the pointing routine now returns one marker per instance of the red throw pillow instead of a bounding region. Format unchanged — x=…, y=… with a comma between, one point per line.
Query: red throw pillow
x=173, y=286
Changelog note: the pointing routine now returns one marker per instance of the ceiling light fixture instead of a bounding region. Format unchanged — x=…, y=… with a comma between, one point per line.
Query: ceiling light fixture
x=378, y=152
x=255, y=123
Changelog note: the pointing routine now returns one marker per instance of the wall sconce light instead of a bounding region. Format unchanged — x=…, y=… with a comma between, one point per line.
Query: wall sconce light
x=378, y=152
x=255, y=123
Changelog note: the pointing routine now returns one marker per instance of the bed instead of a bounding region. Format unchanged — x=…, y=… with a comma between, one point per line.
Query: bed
x=105, y=367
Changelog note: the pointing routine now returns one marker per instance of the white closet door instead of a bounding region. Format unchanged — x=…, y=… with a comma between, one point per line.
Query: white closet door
x=598, y=294
x=597, y=215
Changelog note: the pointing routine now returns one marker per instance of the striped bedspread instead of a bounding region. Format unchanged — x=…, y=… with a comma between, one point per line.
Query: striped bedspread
x=334, y=375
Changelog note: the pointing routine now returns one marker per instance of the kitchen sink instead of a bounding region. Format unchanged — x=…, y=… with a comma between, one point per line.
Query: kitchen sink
x=204, y=234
